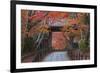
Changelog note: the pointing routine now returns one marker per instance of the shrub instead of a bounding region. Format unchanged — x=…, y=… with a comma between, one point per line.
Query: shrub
x=83, y=45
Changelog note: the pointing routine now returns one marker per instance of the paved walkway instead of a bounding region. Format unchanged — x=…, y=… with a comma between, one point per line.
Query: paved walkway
x=57, y=56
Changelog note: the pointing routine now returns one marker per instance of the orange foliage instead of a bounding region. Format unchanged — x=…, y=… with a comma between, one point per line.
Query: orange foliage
x=38, y=15
x=24, y=19
x=43, y=28
x=73, y=21
x=57, y=15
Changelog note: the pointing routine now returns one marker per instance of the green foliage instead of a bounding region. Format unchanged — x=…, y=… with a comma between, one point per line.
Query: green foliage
x=27, y=45
x=86, y=19
x=83, y=45
x=28, y=26
x=34, y=37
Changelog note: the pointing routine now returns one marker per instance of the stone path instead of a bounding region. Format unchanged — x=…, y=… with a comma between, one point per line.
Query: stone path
x=57, y=56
